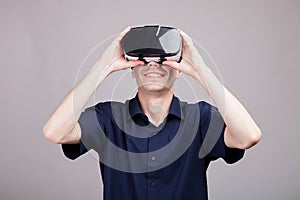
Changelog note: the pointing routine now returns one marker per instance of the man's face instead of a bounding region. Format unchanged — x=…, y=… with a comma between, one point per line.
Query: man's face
x=154, y=77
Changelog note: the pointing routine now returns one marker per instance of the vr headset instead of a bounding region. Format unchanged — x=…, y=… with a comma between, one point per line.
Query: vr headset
x=152, y=43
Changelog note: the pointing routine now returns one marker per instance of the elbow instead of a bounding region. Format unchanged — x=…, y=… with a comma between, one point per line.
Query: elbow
x=50, y=135
x=253, y=139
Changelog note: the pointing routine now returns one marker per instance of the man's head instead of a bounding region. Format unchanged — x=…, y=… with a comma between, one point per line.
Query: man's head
x=153, y=44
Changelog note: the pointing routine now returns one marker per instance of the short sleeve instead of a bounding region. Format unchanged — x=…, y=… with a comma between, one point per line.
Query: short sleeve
x=73, y=151
x=92, y=126
x=212, y=130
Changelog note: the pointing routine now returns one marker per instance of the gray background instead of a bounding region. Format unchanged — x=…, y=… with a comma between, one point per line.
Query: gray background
x=255, y=45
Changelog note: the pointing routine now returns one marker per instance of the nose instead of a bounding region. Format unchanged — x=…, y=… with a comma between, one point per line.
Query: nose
x=152, y=63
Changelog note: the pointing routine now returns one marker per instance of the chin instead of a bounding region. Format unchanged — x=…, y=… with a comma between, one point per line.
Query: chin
x=155, y=88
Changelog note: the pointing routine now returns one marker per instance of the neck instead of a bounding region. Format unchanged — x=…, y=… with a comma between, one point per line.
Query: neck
x=156, y=106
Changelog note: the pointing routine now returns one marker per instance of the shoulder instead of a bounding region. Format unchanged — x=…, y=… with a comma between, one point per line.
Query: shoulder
x=200, y=110
x=106, y=106
x=204, y=107
x=111, y=109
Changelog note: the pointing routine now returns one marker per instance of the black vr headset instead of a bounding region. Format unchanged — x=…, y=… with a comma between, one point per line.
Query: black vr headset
x=152, y=43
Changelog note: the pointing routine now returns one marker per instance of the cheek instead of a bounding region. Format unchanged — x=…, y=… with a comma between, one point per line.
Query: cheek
x=133, y=74
x=173, y=74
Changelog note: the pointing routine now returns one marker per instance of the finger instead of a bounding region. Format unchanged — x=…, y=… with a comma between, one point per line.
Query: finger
x=185, y=35
x=125, y=31
x=116, y=43
x=172, y=64
x=134, y=63
x=122, y=33
x=186, y=38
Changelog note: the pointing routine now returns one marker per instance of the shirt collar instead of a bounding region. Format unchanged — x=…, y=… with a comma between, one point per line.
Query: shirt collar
x=135, y=107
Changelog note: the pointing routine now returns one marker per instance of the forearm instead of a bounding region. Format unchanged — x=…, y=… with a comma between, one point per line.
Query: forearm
x=242, y=131
x=64, y=119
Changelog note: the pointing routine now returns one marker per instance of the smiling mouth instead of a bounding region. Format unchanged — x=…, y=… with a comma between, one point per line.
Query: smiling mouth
x=154, y=75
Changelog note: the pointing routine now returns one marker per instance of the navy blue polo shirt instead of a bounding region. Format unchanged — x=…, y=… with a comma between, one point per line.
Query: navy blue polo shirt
x=139, y=161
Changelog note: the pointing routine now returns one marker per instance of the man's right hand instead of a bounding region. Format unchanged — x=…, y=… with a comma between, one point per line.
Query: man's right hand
x=113, y=57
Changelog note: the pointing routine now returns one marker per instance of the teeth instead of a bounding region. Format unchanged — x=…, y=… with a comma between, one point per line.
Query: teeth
x=153, y=75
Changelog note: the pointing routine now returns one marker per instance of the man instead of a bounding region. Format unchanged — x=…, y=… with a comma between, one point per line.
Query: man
x=153, y=175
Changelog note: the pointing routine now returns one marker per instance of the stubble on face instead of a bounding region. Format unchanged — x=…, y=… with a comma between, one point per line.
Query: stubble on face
x=154, y=78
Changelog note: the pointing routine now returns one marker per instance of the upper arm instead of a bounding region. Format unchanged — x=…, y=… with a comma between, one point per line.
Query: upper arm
x=217, y=140
x=73, y=137
x=230, y=140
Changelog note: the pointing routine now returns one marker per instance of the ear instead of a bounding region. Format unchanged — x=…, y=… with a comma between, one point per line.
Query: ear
x=133, y=72
x=178, y=73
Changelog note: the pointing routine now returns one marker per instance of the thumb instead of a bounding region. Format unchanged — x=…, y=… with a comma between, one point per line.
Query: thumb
x=134, y=63
x=172, y=64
